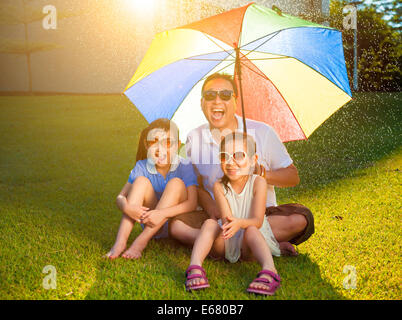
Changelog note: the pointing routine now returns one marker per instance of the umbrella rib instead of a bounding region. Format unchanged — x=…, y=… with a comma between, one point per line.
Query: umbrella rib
x=283, y=57
x=224, y=67
x=274, y=35
x=206, y=59
x=266, y=78
x=193, y=88
x=209, y=38
x=285, y=29
x=259, y=74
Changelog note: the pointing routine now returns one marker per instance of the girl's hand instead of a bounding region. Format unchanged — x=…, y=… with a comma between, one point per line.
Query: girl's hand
x=135, y=212
x=152, y=218
x=230, y=227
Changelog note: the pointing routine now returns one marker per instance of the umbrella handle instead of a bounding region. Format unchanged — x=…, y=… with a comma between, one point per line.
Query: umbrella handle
x=238, y=71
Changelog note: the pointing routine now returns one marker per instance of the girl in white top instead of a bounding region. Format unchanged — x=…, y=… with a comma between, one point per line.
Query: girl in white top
x=242, y=232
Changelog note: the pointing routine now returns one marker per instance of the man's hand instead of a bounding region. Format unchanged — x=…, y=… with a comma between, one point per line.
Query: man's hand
x=208, y=204
x=260, y=170
x=230, y=227
x=152, y=218
x=135, y=212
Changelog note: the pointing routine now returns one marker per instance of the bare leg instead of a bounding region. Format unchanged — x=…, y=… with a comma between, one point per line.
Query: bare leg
x=286, y=228
x=207, y=241
x=183, y=233
x=141, y=193
x=126, y=225
x=174, y=193
x=255, y=246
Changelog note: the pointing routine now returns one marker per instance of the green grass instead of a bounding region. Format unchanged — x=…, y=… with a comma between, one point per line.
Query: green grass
x=63, y=160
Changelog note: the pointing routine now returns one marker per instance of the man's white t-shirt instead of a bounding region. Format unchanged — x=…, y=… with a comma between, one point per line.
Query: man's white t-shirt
x=203, y=151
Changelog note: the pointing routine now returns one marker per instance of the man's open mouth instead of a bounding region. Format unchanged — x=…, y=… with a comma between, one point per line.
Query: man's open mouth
x=217, y=114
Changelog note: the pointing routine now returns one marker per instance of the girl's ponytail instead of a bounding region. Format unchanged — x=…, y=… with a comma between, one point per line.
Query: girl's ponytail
x=142, y=149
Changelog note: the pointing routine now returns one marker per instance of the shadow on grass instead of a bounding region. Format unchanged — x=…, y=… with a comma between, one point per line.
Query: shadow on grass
x=159, y=275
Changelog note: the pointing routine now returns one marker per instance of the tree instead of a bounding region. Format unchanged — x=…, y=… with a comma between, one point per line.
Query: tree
x=392, y=10
x=25, y=14
x=379, y=48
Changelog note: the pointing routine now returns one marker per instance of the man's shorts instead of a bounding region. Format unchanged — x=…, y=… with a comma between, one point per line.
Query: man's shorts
x=195, y=219
x=292, y=208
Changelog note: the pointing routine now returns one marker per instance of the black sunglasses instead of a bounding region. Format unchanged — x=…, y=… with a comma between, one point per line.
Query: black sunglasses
x=224, y=95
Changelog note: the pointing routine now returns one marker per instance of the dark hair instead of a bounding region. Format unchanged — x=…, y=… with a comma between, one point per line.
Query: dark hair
x=162, y=123
x=223, y=76
x=236, y=136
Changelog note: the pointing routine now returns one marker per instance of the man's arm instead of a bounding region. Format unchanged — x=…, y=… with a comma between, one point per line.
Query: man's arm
x=207, y=203
x=283, y=177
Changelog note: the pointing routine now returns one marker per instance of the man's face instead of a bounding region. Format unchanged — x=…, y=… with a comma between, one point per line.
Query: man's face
x=219, y=113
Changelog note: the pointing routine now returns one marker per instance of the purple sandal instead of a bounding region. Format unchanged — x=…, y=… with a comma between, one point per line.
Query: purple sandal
x=272, y=285
x=194, y=276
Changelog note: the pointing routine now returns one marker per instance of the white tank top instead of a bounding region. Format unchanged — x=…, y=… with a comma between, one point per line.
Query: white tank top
x=240, y=204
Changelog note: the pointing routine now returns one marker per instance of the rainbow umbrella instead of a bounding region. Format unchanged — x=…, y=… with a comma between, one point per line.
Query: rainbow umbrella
x=291, y=72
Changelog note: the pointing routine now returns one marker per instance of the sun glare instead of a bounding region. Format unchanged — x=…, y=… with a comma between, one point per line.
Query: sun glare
x=141, y=6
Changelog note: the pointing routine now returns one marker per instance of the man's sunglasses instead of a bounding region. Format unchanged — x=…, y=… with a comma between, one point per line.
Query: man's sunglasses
x=224, y=95
x=238, y=156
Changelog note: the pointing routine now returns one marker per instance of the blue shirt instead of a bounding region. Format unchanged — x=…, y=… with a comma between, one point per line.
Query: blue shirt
x=183, y=169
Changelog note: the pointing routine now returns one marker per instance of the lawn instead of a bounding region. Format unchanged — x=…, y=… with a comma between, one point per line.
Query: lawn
x=63, y=160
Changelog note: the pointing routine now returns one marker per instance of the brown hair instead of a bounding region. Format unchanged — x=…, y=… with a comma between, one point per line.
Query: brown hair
x=236, y=136
x=162, y=123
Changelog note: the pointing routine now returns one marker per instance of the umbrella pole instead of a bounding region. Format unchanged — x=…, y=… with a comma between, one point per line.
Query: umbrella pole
x=238, y=71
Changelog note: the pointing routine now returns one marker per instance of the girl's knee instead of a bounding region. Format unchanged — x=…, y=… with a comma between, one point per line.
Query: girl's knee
x=176, y=183
x=251, y=229
x=250, y=232
x=298, y=222
x=141, y=180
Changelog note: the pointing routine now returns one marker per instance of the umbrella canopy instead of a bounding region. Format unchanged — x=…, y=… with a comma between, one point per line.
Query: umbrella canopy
x=293, y=72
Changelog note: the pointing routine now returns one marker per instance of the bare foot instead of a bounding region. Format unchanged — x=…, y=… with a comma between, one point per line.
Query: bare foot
x=287, y=249
x=135, y=250
x=116, y=250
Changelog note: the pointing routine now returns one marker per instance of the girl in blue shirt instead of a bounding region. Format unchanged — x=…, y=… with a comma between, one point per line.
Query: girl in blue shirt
x=161, y=186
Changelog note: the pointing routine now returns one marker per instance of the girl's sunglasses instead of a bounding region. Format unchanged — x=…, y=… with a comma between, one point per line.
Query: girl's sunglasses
x=164, y=142
x=224, y=95
x=238, y=156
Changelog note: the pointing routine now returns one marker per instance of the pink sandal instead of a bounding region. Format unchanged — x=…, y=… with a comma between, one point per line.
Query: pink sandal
x=194, y=276
x=272, y=285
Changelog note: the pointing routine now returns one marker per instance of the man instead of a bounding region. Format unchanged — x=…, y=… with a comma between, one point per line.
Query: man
x=290, y=224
